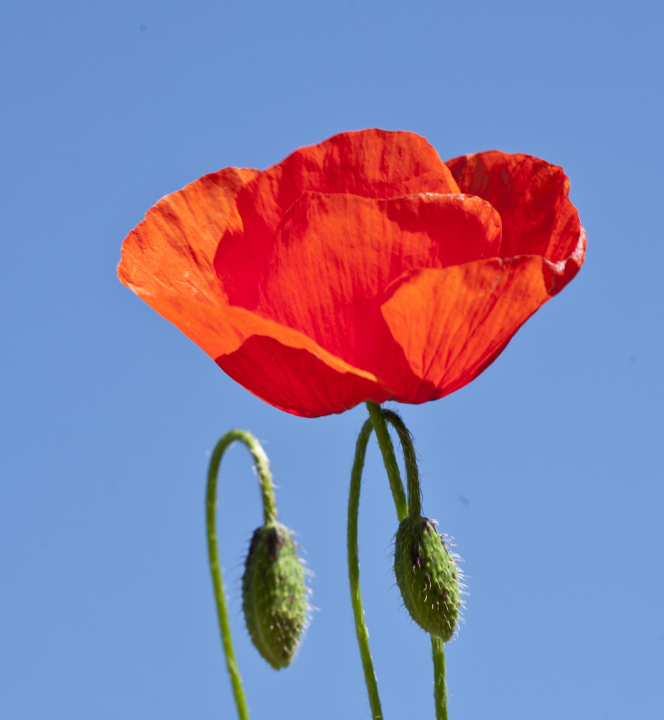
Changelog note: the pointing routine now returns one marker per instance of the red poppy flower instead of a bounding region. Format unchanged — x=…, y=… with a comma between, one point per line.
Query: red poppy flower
x=362, y=268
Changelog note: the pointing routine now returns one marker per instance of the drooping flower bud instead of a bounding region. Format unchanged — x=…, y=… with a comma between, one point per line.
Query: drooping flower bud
x=427, y=577
x=274, y=594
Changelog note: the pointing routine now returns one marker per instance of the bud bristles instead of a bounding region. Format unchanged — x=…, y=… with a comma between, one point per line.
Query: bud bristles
x=427, y=577
x=274, y=594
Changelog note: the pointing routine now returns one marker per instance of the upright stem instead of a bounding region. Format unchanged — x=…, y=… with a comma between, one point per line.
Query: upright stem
x=354, y=571
x=269, y=515
x=439, y=687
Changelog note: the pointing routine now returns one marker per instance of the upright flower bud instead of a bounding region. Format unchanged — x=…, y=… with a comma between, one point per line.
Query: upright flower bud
x=274, y=594
x=427, y=577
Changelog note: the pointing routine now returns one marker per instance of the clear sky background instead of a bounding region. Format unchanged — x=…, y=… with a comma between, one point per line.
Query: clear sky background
x=547, y=469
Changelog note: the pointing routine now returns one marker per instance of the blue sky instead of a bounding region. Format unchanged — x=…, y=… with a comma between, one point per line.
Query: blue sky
x=547, y=469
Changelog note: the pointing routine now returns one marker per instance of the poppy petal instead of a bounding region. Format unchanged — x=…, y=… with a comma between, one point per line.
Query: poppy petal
x=355, y=269
x=531, y=197
x=285, y=367
x=300, y=381
x=278, y=364
x=453, y=323
x=167, y=260
x=370, y=163
x=333, y=255
x=170, y=253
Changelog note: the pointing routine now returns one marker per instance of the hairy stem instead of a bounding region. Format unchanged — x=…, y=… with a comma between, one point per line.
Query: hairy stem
x=354, y=571
x=387, y=450
x=269, y=515
x=439, y=687
x=410, y=461
x=378, y=419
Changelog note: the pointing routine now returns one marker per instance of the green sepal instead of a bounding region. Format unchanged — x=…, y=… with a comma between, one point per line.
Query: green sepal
x=427, y=577
x=274, y=594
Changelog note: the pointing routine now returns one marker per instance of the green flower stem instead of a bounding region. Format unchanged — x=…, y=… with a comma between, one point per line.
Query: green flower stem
x=413, y=507
x=377, y=420
x=387, y=449
x=354, y=571
x=414, y=511
x=410, y=461
x=269, y=515
x=439, y=687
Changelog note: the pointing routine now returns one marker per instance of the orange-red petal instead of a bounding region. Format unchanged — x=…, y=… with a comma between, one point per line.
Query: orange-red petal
x=167, y=260
x=531, y=197
x=370, y=163
x=334, y=255
x=365, y=294
x=170, y=254
x=301, y=381
x=452, y=323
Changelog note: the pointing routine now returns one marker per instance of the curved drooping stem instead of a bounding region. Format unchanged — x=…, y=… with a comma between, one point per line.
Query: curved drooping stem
x=378, y=416
x=378, y=420
x=410, y=461
x=269, y=515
